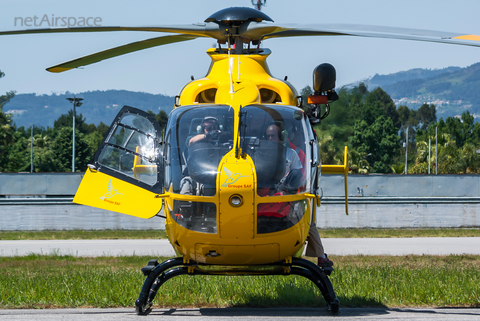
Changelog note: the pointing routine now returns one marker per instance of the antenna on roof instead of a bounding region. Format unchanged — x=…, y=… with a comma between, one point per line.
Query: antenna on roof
x=258, y=4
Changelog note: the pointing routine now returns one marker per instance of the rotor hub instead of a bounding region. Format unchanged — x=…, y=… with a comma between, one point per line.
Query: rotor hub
x=238, y=14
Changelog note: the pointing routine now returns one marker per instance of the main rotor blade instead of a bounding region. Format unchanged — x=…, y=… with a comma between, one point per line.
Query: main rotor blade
x=267, y=31
x=118, y=51
x=209, y=29
x=263, y=30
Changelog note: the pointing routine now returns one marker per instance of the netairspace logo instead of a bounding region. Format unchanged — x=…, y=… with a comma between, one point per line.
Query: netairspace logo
x=52, y=21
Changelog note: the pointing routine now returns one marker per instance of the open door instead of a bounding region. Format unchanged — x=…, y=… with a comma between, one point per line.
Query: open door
x=127, y=173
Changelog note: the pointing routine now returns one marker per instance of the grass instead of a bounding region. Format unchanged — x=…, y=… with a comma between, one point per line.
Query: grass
x=82, y=235
x=160, y=234
x=402, y=232
x=383, y=281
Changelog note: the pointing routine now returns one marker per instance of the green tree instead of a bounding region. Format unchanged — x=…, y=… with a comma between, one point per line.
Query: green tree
x=462, y=130
x=406, y=116
x=62, y=150
x=102, y=129
x=471, y=159
x=161, y=118
x=17, y=157
x=338, y=127
x=426, y=115
x=66, y=120
x=95, y=135
x=7, y=132
x=41, y=141
x=368, y=123
x=381, y=103
x=328, y=153
x=421, y=160
x=43, y=157
x=450, y=158
x=357, y=162
x=91, y=128
x=94, y=140
x=379, y=140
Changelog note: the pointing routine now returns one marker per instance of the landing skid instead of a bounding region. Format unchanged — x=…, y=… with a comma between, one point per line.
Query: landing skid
x=159, y=273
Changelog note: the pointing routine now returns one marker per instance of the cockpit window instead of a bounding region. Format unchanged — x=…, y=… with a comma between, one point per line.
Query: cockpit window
x=196, y=140
x=132, y=149
x=275, y=138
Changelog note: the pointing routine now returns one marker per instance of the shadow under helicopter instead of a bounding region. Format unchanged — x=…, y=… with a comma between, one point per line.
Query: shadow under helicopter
x=313, y=312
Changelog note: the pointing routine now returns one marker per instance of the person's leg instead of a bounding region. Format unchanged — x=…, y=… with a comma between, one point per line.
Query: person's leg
x=186, y=186
x=315, y=247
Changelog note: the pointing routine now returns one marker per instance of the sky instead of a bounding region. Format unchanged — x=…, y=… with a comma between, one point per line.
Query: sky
x=166, y=69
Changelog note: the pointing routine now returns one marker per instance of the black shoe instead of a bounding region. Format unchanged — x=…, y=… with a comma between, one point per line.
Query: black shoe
x=324, y=262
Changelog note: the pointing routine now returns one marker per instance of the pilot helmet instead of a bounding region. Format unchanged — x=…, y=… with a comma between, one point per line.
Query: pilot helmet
x=208, y=119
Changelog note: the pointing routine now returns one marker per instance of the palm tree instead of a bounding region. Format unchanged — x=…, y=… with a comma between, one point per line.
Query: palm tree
x=327, y=150
x=450, y=158
x=421, y=161
x=358, y=163
x=471, y=158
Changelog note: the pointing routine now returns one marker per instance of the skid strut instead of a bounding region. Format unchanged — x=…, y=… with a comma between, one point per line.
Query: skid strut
x=159, y=273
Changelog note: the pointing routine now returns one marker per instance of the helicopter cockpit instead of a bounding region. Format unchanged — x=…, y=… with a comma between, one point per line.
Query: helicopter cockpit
x=197, y=138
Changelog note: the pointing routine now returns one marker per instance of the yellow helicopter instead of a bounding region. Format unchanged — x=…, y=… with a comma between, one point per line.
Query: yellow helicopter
x=237, y=166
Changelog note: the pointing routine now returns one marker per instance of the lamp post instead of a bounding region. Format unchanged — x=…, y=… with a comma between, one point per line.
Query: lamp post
x=429, y=148
x=31, y=149
x=406, y=151
x=76, y=103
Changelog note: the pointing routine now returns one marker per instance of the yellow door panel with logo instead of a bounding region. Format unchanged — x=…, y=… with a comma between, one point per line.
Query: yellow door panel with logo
x=127, y=173
x=109, y=193
x=236, y=181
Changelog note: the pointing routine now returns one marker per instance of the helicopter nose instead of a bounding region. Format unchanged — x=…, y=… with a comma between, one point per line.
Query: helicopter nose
x=236, y=212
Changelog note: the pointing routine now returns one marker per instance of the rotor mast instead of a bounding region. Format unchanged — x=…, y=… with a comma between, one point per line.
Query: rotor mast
x=236, y=21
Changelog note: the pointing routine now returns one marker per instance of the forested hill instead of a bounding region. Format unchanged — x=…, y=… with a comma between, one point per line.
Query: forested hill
x=98, y=106
x=452, y=90
x=417, y=73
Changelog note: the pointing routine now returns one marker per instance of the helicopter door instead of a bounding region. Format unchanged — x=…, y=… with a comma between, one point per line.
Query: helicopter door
x=127, y=173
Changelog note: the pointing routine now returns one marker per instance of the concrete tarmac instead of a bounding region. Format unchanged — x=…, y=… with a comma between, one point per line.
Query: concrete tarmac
x=93, y=248
x=333, y=246
x=237, y=314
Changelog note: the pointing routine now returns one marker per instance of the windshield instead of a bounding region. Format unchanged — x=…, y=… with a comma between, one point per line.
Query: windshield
x=275, y=137
x=197, y=138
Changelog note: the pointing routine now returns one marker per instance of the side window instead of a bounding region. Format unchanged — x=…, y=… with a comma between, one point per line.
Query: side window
x=132, y=150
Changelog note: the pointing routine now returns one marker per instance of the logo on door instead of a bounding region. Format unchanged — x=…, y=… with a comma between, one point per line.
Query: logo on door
x=231, y=178
x=111, y=192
